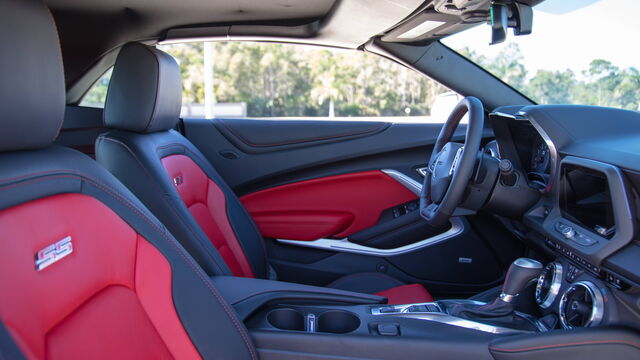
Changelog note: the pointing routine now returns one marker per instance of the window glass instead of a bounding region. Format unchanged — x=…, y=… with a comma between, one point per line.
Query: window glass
x=579, y=52
x=97, y=94
x=258, y=80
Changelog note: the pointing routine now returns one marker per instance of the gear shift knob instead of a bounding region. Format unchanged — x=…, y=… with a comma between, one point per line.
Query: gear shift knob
x=521, y=271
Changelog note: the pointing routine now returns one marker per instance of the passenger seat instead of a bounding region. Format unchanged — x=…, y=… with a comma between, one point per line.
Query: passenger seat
x=173, y=179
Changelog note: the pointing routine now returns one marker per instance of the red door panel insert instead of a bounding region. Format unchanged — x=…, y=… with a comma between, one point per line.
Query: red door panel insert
x=333, y=206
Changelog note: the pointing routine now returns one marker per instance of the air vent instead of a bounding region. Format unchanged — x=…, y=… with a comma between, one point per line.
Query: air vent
x=549, y=284
x=581, y=305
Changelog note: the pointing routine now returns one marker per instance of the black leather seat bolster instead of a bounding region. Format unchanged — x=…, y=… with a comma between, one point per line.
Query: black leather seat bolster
x=29, y=175
x=367, y=283
x=135, y=160
x=598, y=343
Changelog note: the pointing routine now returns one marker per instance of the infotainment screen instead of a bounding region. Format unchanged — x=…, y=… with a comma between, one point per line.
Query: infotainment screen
x=585, y=199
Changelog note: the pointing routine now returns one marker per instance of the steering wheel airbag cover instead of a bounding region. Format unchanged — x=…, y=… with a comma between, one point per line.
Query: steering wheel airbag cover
x=451, y=164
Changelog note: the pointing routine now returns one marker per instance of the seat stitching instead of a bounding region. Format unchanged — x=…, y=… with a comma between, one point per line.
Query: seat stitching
x=155, y=100
x=362, y=296
x=192, y=154
x=350, y=276
x=172, y=206
x=369, y=130
x=551, y=346
x=119, y=197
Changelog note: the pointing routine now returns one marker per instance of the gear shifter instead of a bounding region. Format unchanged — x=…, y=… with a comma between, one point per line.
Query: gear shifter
x=520, y=273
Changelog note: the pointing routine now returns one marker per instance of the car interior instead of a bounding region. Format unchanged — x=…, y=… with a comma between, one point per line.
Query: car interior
x=507, y=230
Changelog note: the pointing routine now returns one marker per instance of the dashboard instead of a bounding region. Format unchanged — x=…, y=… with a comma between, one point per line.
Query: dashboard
x=585, y=163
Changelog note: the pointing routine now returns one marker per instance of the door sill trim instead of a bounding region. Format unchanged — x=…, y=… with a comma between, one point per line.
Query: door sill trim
x=344, y=245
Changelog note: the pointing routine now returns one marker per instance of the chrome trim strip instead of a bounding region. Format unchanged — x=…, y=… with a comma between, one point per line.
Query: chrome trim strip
x=411, y=184
x=528, y=263
x=506, y=297
x=522, y=116
x=445, y=318
x=553, y=168
x=597, y=306
x=344, y=245
x=518, y=116
x=556, y=271
x=422, y=171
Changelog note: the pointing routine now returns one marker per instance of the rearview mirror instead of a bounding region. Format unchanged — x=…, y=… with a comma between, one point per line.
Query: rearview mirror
x=506, y=15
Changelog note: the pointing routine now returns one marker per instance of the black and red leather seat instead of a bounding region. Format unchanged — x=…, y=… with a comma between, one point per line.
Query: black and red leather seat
x=86, y=271
x=175, y=181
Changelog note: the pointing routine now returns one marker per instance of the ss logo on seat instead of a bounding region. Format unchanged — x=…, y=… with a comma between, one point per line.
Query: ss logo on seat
x=53, y=253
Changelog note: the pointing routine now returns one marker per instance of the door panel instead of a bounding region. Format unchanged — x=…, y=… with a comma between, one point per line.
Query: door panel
x=307, y=180
x=261, y=137
x=334, y=206
x=396, y=146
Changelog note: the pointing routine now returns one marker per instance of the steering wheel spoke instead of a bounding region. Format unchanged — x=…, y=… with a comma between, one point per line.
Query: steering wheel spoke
x=451, y=164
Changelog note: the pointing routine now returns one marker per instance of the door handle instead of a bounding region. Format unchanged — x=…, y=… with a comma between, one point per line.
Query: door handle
x=422, y=171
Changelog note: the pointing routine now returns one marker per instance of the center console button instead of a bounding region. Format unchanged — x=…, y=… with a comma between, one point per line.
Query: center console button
x=418, y=308
x=432, y=308
x=388, y=329
x=387, y=309
x=584, y=240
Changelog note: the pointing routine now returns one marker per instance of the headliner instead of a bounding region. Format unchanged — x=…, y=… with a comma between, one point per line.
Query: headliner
x=89, y=29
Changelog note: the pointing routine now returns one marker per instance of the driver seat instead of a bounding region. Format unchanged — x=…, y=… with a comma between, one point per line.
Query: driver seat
x=176, y=182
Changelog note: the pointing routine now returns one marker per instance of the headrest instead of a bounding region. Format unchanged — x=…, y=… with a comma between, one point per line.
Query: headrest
x=145, y=90
x=32, y=93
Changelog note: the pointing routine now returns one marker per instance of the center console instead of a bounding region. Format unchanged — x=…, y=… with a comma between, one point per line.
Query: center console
x=293, y=321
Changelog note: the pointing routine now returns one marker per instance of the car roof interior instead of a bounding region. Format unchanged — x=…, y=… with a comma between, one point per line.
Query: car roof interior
x=91, y=30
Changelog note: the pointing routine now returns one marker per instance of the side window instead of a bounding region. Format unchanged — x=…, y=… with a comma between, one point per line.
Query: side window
x=267, y=80
x=97, y=94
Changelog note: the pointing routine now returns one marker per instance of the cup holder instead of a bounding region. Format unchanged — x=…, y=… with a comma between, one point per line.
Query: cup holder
x=337, y=322
x=286, y=319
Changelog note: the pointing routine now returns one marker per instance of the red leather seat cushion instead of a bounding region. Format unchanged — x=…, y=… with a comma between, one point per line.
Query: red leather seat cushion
x=406, y=294
x=111, y=298
x=207, y=203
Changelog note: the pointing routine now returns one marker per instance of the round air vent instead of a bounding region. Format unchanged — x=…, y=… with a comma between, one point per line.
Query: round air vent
x=581, y=305
x=549, y=284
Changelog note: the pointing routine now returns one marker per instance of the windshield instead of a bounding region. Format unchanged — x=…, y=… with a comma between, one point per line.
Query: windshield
x=580, y=52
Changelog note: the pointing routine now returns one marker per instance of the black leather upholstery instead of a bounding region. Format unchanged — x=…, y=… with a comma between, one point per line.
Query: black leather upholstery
x=30, y=175
x=135, y=160
x=30, y=119
x=144, y=91
x=32, y=80
x=576, y=344
x=368, y=283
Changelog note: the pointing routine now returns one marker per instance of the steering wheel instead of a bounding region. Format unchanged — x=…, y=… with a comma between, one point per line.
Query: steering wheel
x=451, y=164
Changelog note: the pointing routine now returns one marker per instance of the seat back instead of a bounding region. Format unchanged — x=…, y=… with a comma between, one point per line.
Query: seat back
x=167, y=172
x=86, y=270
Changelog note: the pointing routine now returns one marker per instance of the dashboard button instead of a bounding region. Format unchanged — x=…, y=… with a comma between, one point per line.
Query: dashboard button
x=584, y=240
x=568, y=232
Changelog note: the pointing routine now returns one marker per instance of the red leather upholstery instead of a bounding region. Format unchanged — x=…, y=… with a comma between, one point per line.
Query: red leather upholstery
x=406, y=294
x=333, y=206
x=110, y=298
x=207, y=203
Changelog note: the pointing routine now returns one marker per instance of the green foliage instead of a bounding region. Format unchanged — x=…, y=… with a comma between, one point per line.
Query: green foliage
x=97, y=94
x=295, y=80
x=602, y=84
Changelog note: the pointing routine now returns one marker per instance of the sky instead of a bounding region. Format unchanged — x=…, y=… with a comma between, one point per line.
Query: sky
x=568, y=34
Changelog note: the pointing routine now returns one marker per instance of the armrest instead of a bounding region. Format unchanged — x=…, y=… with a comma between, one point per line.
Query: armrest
x=576, y=344
x=247, y=294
